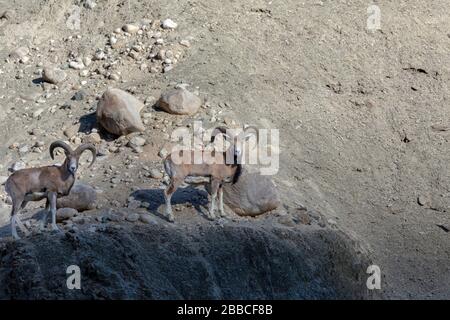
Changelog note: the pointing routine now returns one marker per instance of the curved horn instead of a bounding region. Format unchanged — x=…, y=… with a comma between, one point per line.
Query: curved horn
x=62, y=145
x=217, y=130
x=84, y=147
x=255, y=129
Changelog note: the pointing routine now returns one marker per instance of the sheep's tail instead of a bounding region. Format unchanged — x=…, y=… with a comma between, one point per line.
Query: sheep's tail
x=8, y=187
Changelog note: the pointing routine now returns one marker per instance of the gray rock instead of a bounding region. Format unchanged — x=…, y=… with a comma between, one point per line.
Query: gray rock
x=119, y=112
x=169, y=24
x=53, y=75
x=252, y=195
x=130, y=28
x=19, y=53
x=155, y=174
x=79, y=95
x=81, y=197
x=65, y=214
x=146, y=218
x=180, y=101
x=136, y=141
x=133, y=217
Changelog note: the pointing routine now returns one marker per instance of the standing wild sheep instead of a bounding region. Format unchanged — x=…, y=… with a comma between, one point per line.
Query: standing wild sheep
x=227, y=167
x=50, y=182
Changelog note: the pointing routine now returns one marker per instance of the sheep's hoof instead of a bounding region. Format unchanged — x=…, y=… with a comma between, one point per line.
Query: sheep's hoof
x=170, y=218
x=16, y=237
x=55, y=227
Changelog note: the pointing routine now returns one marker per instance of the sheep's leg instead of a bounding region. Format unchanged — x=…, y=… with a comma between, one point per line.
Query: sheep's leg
x=14, y=214
x=170, y=190
x=221, y=210
x=52, y=199
x=215, y=185
x=44, y=218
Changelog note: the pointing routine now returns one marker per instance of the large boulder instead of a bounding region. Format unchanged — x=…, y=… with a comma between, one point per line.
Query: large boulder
x=253, y=194
x=119, y=112
x=180, y=101
x=81, y=197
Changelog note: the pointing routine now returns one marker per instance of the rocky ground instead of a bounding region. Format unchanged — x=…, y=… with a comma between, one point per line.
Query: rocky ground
x=364, y=147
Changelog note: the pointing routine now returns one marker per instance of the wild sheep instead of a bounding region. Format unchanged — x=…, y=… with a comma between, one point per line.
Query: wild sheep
x=225, y=167
x=50, y=182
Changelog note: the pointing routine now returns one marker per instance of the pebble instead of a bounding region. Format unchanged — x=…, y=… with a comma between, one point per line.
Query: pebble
x=100, y=55
x=92, y=138
x=90, y=4
x=163, y=153
x=185, y=43
x=169, y=24
x=87, y=61
x=137, y=141
x=79, y=95
x=19, y=53
x=38, y=113
x=133, y=217
x=155, y=174
x=71, y=131
x=146, y=218
x=130, y=28
x=76, y=65
x=53, y=75
x=114, y=77
x=16, y=166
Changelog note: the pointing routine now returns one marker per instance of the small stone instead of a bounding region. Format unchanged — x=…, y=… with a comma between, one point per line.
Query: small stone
x=38, y=113
x=137, y=141
x=155, y=174
x=76, y=65
x=167, y=68
x=163, y=153
x=79, y=95
x=146, y=218
x=169, y=24
x=24, y=149
x=53, y=75
x=70, y=132
x=185, y=43
x=65, y=214
x=133, y=217
x=114, y=76
x=130, y=28
x=19, y=53
x=332, y=222
x=100, y=55
x=179, y=101
x=92, y=138
x=87, y=61
x=90, y=4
